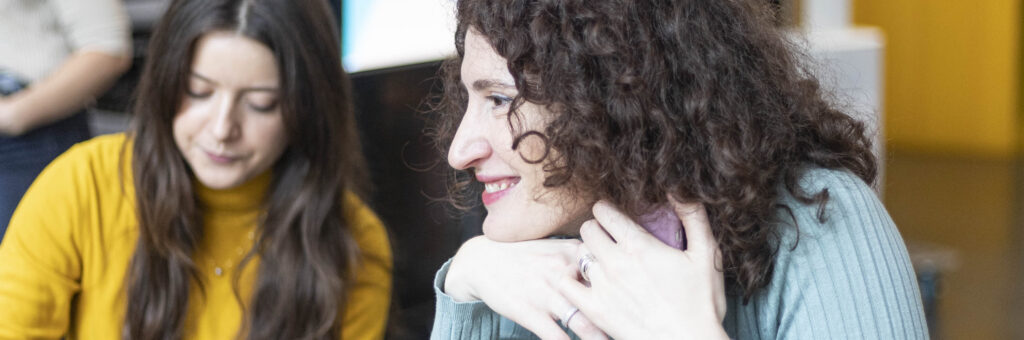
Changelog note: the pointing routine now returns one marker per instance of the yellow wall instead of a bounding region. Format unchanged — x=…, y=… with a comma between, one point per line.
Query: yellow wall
x=951, y=74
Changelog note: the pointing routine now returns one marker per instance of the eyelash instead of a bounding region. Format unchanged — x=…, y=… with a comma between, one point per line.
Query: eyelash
x=263, y=109
x=257, y=108
x=499, y=100
x=196, y=95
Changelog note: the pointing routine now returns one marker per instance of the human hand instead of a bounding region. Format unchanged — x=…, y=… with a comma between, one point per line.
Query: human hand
x=10, y=124
x=7, y=117
x=515, y=280
x=644, y=289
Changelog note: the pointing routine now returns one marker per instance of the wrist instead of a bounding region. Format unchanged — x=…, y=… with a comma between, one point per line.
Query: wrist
x=708, y=330
x=9, y=123
x=686, y=328
x=715, y=333
x=6, y=117
x=456, y=282
x=455, y=287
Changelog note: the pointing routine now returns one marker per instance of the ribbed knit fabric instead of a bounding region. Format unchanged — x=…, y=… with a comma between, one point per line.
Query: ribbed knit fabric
x=848, y=277
x=37, y=35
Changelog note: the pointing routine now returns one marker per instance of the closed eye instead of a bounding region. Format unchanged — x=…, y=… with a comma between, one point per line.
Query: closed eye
x=263, y=108
x=197, y=94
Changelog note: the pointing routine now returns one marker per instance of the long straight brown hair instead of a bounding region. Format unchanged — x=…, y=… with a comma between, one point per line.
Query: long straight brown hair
x=304, y=245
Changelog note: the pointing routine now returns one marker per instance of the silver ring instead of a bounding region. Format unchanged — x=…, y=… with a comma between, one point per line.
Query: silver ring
x=568, y=316
x=585, y=262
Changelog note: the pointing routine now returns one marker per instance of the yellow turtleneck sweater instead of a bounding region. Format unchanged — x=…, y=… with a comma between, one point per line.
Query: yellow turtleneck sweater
x=67, y=250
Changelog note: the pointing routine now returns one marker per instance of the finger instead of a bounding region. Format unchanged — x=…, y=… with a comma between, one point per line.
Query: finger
x=543, y=326
x=695, y=225
x=586, y=329
x=620, y=226
x=596, y=272
x=582, y=265
x=582, y=297
x=592, y=272
x=572, y=318
x=595, y=241
x=578, y=295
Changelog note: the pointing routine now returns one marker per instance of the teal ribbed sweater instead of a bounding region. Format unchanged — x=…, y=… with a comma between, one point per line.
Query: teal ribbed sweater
x=847, y=278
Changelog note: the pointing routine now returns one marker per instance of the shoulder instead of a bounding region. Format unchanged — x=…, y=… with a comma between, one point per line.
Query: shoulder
x=78, y=196
x=851, y=203
x=841, y=269
x=366, y=228
x=101, y=147
x=89, y=172
x=93, y=162
x=86, y=179
x=851, y=229
x=840, y=183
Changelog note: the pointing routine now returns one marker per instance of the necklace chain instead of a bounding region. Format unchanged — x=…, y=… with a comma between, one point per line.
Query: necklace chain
x=220, y=267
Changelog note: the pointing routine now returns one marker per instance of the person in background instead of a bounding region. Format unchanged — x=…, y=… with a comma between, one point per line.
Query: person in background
x=56, y=57
x=231, y=209
x=715, y=192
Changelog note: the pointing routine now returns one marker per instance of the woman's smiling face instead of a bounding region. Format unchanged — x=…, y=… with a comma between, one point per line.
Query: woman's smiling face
x=519, y=207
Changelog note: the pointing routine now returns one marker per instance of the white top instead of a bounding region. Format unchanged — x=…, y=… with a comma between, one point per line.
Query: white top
x=37, y=35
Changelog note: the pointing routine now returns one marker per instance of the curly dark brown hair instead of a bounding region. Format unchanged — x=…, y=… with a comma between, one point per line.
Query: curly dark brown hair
x=704, y=100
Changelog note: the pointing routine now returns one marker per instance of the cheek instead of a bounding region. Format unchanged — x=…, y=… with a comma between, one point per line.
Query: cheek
x=272, y=137
x=532, y=143
x=183, y=128
x=532, y=148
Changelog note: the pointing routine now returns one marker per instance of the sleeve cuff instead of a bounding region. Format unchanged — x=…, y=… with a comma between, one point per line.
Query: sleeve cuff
x=461, y=320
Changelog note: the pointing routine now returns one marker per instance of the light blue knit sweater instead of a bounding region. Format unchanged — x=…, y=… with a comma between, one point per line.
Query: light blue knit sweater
x=847, y=278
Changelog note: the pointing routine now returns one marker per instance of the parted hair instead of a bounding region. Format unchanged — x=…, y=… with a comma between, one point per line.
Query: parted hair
x=703, y=100
x=305, y=249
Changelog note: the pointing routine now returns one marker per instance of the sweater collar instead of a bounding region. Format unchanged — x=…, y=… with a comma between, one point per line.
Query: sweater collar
x=247, y=196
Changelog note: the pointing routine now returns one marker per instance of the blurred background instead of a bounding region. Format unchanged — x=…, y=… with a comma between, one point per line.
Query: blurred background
x=939, y=82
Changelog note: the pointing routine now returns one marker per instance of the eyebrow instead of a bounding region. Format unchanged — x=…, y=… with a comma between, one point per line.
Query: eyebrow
x=483, y=84
x=247, y=89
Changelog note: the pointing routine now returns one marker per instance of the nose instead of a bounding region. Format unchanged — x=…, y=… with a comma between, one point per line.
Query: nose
x=470, y=145
x=225, y=120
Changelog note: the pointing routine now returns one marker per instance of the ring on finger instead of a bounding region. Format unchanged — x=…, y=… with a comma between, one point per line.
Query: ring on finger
x=567, y=317
x=585, y=263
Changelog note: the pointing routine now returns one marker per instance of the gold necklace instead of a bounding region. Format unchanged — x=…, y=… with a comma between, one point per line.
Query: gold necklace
x=219, y=269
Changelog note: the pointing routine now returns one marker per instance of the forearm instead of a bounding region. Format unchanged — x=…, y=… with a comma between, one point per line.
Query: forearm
x=461, y=320
x=76, y=83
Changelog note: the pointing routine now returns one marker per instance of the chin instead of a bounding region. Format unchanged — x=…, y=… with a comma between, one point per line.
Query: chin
x=217, y=183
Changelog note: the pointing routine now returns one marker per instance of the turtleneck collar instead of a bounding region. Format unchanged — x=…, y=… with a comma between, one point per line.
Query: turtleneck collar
x=246, y=197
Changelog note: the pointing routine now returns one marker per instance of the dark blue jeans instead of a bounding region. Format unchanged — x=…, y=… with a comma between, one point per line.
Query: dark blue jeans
x=22, y=158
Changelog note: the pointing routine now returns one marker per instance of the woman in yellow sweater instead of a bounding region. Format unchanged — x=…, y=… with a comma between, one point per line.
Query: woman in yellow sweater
x=227, y=212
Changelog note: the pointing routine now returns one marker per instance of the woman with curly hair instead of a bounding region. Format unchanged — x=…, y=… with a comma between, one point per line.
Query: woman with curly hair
x=229, y=211
x=617, y=122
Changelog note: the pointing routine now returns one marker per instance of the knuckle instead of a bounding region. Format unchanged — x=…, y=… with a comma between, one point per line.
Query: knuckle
x=588, y=227
x=587, y=329
x=570, y=268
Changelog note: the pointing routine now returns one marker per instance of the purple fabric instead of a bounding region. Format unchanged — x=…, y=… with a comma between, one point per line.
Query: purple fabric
x=665, y=225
